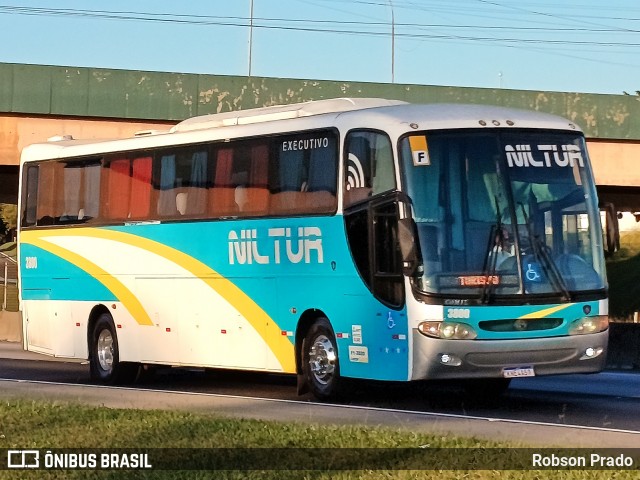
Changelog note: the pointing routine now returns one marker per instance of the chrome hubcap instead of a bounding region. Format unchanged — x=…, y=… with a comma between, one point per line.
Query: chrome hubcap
x=105, y=350
x=322, y=359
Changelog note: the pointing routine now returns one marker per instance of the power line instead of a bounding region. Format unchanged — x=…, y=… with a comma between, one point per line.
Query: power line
x=545, y=14
x=216, y=20
x=448, y=6
x=289, y=24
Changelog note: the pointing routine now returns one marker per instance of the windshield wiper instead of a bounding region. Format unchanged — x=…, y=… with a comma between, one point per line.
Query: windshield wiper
x=541, y=251
x=497, y=239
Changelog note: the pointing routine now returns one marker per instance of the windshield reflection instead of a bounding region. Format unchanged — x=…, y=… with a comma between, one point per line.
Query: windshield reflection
x=503, y=213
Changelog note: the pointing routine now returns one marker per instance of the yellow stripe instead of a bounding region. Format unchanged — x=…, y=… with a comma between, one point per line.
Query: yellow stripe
x=122, y=293
x=546, y=312
x=270, y=332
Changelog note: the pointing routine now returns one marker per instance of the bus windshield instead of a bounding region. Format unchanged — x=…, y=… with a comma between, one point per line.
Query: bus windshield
x=503, y=213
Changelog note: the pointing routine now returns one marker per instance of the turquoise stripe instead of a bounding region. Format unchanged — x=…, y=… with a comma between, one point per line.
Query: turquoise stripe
x=64, y=280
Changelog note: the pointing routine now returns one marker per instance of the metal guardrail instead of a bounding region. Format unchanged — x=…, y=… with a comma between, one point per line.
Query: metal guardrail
x=8, y=258
x=10, y=267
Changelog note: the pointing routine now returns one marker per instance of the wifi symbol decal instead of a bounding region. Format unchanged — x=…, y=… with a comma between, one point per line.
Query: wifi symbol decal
x=355, y=173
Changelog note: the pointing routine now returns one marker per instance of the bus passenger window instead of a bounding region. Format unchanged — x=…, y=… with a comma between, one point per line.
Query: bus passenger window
x=255, y=197
x=195, y=194
x=221, y=198
x=305, y=174
x=182, y=181
x=30, y=199
x=81, y=199
x=50, y=187
x=140, y=188
x=72, y=183
x=91, y=205
x=167, y=196
x=61, y=192
x=321, y=185
x=128, y=189
x=290, y=182
x=118, y=189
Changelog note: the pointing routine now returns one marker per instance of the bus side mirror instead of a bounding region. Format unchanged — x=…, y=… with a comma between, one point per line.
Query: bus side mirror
x=611, y=228
x=407, y=239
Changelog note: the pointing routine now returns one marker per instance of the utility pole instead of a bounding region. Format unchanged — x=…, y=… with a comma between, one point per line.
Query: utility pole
x=250, y=32
x=393, y=43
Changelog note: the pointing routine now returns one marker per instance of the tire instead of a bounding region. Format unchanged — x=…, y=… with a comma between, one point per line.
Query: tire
x=320, y=362
x=104, y=359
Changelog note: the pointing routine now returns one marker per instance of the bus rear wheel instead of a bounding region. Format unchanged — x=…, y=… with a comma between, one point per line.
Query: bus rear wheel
x=320, y=360
x=104, y=359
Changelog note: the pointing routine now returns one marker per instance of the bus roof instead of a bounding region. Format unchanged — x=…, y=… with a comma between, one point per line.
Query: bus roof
x=394, y=116
x=282, y=112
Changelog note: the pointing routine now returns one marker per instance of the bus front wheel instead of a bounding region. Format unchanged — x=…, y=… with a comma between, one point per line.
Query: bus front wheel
x=104, y=362
x=320, y=360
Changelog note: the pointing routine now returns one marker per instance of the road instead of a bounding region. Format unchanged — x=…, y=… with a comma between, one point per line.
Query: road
x=575, y=410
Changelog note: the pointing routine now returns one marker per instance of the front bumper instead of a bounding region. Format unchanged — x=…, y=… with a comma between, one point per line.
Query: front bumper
x=489, y=358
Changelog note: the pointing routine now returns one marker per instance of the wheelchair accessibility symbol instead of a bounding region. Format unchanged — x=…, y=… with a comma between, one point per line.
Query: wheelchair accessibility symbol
x=532, y=273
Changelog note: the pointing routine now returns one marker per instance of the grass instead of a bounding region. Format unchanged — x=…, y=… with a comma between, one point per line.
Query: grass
x=11, y=295
x=40, y=425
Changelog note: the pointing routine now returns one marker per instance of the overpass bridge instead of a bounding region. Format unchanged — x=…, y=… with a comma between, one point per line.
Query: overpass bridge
x=37, y=102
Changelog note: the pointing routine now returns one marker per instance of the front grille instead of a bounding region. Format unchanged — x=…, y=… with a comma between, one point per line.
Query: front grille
x=532, y=357
x=520, y=324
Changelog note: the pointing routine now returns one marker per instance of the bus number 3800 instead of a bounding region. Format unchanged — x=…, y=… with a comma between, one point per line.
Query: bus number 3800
x=31, y=262
x=458, y=313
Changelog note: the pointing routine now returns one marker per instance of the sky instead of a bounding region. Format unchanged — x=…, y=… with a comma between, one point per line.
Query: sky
x=590, y=46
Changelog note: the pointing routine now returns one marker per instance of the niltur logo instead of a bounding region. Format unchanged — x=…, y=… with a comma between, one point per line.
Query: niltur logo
x=280, y=245
x=543, y=155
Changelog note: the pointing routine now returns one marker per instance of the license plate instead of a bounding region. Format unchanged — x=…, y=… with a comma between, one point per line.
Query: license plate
x=518, y=372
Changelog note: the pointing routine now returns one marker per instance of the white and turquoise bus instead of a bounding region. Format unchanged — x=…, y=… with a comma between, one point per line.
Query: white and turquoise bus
x=345, y=238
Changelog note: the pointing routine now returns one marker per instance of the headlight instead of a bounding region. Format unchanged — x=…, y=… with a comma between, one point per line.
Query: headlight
x=447, y=330
x=587, y=325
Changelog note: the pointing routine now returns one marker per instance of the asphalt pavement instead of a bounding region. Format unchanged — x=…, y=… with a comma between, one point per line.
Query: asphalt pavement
x=14, y=350
x=528, y=432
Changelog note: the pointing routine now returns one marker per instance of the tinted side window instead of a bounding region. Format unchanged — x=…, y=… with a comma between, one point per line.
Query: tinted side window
x=270, y=176
x=127, y=188
x=59, y=193
x=305, y=173
x=181, y=181
x=369, y=166
x=30, y=197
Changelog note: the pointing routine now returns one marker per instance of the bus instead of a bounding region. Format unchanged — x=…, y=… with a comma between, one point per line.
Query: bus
x=333, y=240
